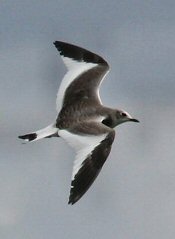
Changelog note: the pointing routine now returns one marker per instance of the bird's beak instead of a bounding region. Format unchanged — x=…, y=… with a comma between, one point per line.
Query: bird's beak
x=134, y=120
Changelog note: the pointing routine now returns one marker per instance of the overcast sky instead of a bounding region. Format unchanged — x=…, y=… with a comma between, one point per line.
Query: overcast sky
x=134, y=195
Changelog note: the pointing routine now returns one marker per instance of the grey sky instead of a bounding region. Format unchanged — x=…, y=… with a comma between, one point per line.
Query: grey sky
x=134, y=196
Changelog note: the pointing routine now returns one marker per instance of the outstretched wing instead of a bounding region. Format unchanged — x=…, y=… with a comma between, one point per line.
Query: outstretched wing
x=92, y=150
x=85, y=73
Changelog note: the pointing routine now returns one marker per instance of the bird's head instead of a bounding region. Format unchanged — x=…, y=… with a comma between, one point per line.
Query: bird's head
x=122, y=117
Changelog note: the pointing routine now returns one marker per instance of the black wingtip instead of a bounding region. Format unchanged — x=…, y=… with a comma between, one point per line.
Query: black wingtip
x=75, y=194
x=55, y=43
x=60, y=44
x=72, y=201
x=78, y=53
x=28, y=137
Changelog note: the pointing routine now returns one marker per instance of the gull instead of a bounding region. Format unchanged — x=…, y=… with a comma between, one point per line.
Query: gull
x=83, y=121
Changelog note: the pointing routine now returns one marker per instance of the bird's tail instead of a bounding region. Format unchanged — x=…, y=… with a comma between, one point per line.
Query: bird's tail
x=49, y=131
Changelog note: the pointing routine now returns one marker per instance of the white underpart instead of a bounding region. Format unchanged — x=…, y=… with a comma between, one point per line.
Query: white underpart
x=42, y=133
x=75, y=69
x=83, y=146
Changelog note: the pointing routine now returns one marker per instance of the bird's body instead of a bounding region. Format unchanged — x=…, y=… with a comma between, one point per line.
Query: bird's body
x=83, y=122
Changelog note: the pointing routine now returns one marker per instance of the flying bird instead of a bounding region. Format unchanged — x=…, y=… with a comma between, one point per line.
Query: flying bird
x=83, y=121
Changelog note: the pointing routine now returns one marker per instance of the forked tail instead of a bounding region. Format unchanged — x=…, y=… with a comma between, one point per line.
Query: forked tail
x=49, y=131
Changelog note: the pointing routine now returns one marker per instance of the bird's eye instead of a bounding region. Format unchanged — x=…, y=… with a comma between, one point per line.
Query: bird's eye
x=123, y=114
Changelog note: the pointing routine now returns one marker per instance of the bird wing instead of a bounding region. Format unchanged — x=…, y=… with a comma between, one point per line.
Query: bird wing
x=86, y=71
x=92, y=142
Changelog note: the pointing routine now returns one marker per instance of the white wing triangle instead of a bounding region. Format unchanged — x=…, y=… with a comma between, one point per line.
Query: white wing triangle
x=75, y=69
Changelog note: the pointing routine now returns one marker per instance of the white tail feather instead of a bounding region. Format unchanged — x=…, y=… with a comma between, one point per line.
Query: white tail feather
x=48, y=131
